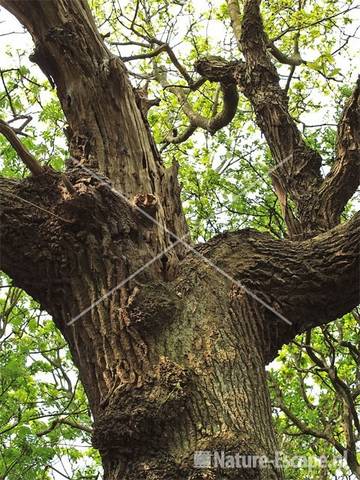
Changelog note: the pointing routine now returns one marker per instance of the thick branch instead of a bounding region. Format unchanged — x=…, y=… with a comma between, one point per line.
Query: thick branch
x=91, y=83
x=297, y=172
x=294, y=278
x=236, y=20
x=29, y=160
x=344, y=177
x=327, y=263
x=235, y=15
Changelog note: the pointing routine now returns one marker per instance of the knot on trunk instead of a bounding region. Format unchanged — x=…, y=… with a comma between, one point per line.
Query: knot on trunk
x=153, y=307
x=147, y=416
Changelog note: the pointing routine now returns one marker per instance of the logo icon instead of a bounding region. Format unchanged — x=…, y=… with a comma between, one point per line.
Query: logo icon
x=202, y=459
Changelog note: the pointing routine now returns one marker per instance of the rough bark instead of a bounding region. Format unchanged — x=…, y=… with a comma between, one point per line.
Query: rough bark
x=344, y=177
x=170, y=367
x=106, y=129
x=319, y=203
x=174, y=360
x=296, y=174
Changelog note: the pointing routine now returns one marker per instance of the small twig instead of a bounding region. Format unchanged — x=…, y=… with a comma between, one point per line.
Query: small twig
x=142, y=56
x=64, y=421
x=135, y=14
x=19, y=130
x=8, y=94
x=292, y=71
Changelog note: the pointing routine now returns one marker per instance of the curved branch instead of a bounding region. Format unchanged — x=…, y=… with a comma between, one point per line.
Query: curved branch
x=212, y=125
x=179, y=137
x=27, y=158
x=230, y=97
x=294, y=60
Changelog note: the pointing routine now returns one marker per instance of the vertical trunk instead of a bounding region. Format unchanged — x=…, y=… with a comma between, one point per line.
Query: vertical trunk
x=107, y=130
x=169, y=368
x=202, y=387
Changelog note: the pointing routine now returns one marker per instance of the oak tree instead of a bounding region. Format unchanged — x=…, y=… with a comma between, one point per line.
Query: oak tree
x=172, y=356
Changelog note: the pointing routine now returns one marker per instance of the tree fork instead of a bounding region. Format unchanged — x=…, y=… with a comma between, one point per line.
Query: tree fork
x=176, y=364
x=172, y=362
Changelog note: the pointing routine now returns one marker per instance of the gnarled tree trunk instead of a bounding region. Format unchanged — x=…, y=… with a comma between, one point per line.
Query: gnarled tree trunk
x=173, y=361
